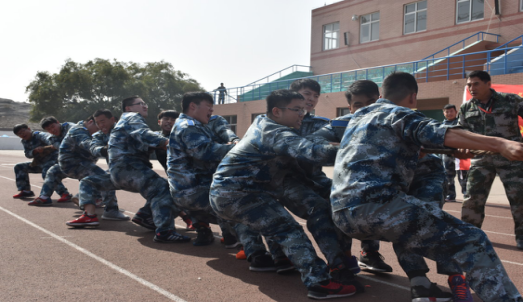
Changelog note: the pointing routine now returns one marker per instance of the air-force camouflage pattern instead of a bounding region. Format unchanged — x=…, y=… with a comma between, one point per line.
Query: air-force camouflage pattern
x=221, y=128
x=22, y=170
x=248, y=181
x=130, y=168
x=502, y=121
x=194, y=153
x=450, y=167
x=372, y=175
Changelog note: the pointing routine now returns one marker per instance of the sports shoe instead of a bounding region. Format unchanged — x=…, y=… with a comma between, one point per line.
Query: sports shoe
x=262, y=263
x=329, y=289
x=170, y=237
x=66, y=197
x=241, y=255
x=114, y=214
x=84, y=220
x=519, y=244
x=229, y=240
x=144, y=220
x=373, y=262
x=188, y=221
x=352, y=263
x=283, y=265
x=450, y=198
x=24, y=194
x=40, y=202
x=204, y=235
x=420, y=293
x=344, y=275
x=460, y=289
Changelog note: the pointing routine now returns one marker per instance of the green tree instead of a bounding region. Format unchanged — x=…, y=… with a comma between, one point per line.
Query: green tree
x=80, y=89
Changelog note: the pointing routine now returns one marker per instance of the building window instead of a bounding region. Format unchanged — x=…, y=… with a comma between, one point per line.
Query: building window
x=342, y=111
x=254, y=115
x=231, y=119
x=370, y=27
x=331, y=35
x=521, y=5
x=469, y=10
x=415, y=17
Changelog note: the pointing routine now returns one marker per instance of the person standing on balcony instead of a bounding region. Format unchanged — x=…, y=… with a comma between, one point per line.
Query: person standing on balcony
x=222, y=91
x=492, y=114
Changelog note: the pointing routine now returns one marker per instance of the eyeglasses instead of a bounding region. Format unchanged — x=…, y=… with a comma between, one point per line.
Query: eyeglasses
x=301, y=111
x=141, y=104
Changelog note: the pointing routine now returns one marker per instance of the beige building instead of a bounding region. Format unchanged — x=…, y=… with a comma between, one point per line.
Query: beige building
x=439, y=41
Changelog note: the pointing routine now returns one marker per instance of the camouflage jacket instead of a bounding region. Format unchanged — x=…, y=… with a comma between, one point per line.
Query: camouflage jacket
x=311, y=124
x=264, y=156
x=502, y=121
x=193, y=155
x=57, y=140
x=39, y=139
x=333, y=131
x=379, y=153
x=130, y=140
x=75, y=147
x=220, y=127
x=99, y=141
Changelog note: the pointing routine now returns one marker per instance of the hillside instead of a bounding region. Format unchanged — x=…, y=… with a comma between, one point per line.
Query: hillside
x=12, y=113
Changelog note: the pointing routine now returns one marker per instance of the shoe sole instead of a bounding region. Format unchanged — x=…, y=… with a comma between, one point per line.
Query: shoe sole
x=232, y=246
x=116, y=219
x=24, y=197
x=322, y=296
x=372, y=269
x=41, y=205
x=262, y=269
x=286, y=270
x=83, y=224
x=140, y=223
x=431, y=299
x=170, y=241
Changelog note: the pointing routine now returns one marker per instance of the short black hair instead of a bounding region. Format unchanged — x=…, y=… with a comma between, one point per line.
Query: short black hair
x=90, y=118
x=168, y=113
x=128, y=101
x=481, y=74
x=281, y=98
x=106, y=112
x=19, y=127
x=362, y=87
x=195, y=97
x=449, y=106
x=398, y=85
x=306, y=83
x=47, y=121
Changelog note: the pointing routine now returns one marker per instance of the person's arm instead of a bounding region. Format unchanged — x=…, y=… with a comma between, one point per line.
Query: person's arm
x=459, y=138
x=290, y=144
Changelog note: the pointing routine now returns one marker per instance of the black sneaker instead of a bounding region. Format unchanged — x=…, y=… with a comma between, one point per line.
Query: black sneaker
x=204, y=235
x=262, y=263
x=144, y=220
x=420, y=293
x=230, y=241
x=329, y=289
x=342, y=274
x=519, y=244
x=373, y=262
x=170, y=237
x=283, y=265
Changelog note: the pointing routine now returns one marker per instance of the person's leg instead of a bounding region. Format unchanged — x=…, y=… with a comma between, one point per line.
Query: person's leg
x=511, y=174
x=60, y=189
x=23, y=185
x=53, y=177
x=480, y=179
x=450, y=174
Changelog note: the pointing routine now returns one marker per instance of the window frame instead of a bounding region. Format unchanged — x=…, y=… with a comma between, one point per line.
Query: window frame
x=341, y=111
x=229, y=119
x=415, y=13
x=370, y=23
x=327, y=41
x=469, y=13
x=521, y=5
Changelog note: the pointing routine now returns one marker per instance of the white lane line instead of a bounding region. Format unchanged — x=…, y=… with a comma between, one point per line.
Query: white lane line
x=383, y=282
x=499, y=233
x=503, y=217
x=516, y=263
x=100, y=259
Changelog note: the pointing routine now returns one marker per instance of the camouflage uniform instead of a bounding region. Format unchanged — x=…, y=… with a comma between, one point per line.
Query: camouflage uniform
x=248, y=182
x=220, y=127
x=450, y=167
x=194, y=153
x=501, y=122
x=53, y=178
x=372, y=175
x=22, y=170
x=131, y=170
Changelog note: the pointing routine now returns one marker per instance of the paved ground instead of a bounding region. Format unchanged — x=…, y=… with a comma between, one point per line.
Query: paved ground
x=42, y=259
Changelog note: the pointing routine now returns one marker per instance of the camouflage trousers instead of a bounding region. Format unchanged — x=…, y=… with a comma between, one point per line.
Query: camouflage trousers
x=198, y=205
x=421, y=228
x=137, y=177
x=482, y=172
x=22, y=171
x=450, y=173
x=91, y=186
x=263, y=214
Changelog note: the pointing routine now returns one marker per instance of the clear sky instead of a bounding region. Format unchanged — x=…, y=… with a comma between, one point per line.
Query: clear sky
x=231, y=41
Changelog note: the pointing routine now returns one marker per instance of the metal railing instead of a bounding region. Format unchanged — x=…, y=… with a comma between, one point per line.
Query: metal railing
x=479, y=36
x=281, y=73
x=427, y=70
x=506, y=44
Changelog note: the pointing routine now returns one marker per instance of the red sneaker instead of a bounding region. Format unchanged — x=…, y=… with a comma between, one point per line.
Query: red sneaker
x=330, y=290
x=84, y=220
x=39, y=202
x=24, y=194
x=66, y=197
x=241, y=255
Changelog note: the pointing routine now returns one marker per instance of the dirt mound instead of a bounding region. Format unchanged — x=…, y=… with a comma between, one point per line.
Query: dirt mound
x=12, y=113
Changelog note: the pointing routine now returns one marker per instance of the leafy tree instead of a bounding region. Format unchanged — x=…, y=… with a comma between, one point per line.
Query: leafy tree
x=80, y=89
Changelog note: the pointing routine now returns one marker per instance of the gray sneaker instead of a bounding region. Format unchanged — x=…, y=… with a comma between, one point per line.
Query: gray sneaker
x=114, y=215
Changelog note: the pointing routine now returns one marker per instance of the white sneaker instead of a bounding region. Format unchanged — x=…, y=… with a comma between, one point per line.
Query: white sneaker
x=114, y=215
